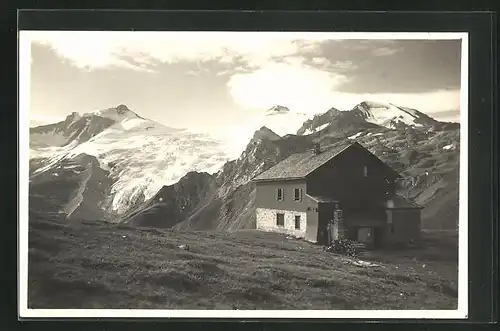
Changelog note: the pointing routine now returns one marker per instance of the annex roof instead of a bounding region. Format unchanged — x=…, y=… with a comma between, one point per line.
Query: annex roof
x=400, y=202
x=322, y=199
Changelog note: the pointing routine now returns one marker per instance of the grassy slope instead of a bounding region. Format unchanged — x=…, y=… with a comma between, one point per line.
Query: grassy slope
x=99, y=265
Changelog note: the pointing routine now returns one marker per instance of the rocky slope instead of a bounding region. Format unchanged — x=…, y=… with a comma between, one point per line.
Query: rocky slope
x=74, y=128
x=319, y=122
x=266, y=133
x=173, y=203
x=75, y=188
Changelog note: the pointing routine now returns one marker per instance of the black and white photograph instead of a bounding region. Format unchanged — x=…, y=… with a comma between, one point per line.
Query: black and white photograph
x=243, y=174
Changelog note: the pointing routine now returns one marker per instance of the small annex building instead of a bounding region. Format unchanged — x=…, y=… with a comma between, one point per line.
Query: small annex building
x=346, y=185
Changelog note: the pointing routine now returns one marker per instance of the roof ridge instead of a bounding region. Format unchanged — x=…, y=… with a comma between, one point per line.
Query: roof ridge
x=295, y=166
x=300, y=165
x=331, y=157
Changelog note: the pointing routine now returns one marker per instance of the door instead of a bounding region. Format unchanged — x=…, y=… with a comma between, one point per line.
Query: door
x=378, y=237
x=364, y=235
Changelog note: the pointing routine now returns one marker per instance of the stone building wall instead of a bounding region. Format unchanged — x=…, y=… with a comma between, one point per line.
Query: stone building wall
x=267, y=221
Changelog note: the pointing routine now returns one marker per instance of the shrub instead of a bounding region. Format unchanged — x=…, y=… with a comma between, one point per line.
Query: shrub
x=343, y=246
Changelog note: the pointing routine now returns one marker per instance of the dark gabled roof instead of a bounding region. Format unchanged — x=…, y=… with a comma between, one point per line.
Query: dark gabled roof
x=300, y=165
x=399, y=202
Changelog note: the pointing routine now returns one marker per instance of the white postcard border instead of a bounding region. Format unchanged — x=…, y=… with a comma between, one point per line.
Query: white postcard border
x=24, y=43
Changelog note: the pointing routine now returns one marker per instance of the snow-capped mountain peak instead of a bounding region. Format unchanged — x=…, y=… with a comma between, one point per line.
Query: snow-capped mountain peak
x=391, y=116
x=116, y=114
x=277, y=109
x=370, y=114
x=76, y=128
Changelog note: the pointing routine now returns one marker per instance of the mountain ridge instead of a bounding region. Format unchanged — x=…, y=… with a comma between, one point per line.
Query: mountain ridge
x=388, y=115
x=223, y=199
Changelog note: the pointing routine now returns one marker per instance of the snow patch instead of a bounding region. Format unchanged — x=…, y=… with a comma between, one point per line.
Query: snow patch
x=388, y=115
x=77, y=200
x=142, y=160
x=321, y=127
x=307, y=132
x=129, y=124
x=316, y=129
x=112, y=113
x=355, y=135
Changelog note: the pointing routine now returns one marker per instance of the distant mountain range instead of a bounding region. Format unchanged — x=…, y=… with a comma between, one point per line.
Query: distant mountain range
x=383, y=115
x=115, y=165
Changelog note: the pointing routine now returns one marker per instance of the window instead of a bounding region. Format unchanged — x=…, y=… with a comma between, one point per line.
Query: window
x=365, y=171
x=279, y=194
x=297, y=222
x=296, y=194
x=280, y=219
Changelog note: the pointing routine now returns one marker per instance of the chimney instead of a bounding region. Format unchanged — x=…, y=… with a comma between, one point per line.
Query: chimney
x=317, y=149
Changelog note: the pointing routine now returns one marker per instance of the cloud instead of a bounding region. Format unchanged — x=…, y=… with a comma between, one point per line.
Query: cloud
x=262, y=69
x=144, y=50
x=322, y=61
x=299, y=87
x=386, y=51
x=193, y=72
x=307, y=89
x=327, y=64
x=446, y=115
x=308, y=46
x=344, y=65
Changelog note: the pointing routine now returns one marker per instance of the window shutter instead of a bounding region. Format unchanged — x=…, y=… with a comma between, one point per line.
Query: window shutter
x=280, y=194
x=297, y=194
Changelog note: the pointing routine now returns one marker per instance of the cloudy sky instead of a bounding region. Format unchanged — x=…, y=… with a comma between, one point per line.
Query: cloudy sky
x=206, y=81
